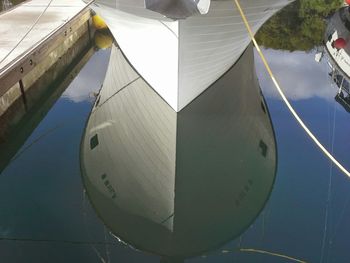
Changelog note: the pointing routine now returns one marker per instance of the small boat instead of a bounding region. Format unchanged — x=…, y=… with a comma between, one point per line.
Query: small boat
x=337, y=43
x=337, y=48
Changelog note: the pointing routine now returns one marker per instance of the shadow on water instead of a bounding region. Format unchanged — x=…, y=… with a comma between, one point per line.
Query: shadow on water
x=178, y=184
x=17, y=124
x=33, y=221
x=13, y=135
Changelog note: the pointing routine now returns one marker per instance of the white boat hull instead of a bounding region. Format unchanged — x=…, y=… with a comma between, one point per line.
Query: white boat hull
x=180, y=59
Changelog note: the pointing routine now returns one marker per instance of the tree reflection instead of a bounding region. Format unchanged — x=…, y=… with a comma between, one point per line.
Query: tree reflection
x=299, y=26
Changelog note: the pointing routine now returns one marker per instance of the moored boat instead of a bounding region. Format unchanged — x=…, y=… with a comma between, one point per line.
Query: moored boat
x=182, y=47
x=337, y=48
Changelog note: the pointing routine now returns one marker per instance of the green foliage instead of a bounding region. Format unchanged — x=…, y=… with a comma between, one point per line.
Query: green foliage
x=299, y=26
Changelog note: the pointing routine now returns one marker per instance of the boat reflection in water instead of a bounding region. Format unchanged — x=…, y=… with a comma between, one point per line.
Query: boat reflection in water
x=178, y=184
x=337, y=48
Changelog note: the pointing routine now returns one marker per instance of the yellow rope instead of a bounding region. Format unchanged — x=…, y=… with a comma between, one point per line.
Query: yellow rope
x=271, y=254
x=296, y=116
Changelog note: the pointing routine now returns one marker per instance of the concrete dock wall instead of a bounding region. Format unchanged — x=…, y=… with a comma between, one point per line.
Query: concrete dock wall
x=22, y=85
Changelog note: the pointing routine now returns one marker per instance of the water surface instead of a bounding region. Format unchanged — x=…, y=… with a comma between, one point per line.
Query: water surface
x=46, y=214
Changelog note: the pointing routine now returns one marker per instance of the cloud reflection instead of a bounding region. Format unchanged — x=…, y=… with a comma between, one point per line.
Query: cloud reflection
x=89, y=79
x=299, y=75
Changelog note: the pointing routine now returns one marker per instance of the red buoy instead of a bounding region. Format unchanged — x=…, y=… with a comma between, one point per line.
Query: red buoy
x=340, y=42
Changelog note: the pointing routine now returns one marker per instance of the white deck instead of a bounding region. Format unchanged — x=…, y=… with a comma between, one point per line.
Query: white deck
x=16, y=22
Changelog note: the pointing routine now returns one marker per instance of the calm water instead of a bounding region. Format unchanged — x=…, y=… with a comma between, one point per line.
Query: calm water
x=45, y=209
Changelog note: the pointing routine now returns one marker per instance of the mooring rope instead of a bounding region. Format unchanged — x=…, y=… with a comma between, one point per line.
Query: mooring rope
x=291, y=109
x=259, y=251
x=329, y=201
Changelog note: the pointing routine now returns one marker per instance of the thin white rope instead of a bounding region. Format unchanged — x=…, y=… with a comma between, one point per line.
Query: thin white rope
x=291, y=109
x=328, y=202
x=98, y=254
x=260, y=251
x=26, y=34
